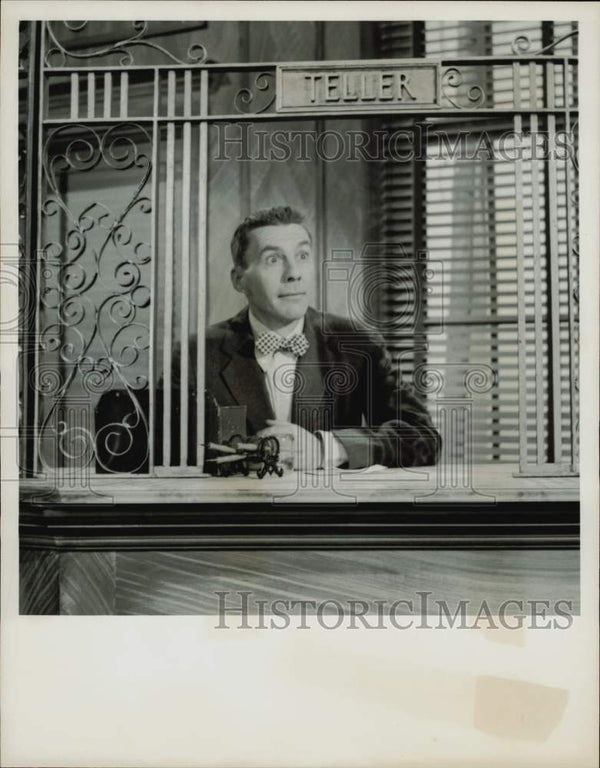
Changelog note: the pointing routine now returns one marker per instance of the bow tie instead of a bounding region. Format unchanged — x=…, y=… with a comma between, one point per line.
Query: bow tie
x=270, y=342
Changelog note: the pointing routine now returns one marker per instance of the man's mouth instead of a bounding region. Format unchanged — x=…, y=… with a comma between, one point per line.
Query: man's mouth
x=291, y=295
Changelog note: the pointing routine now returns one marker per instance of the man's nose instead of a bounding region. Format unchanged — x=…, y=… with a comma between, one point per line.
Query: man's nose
x=292, y=270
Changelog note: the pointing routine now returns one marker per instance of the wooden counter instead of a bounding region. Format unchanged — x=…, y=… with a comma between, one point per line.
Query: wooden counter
x=487, y=484
x=166, y=545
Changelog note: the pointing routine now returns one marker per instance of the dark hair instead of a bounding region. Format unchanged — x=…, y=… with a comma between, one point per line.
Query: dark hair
x=281, y=214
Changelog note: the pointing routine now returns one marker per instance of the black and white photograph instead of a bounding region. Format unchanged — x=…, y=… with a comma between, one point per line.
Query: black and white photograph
x=297, y=343
x=327, y=302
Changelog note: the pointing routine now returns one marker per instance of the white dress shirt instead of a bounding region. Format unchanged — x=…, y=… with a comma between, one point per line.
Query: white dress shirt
x=279, y=368
x=280, y=372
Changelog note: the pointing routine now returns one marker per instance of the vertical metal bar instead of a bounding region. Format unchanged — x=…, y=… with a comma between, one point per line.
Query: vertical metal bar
x=25, y=273
x=107, y=93
x=455, y=448
x=153, y=271
x=245, y=167
x=32, y=176
x=573, y=352
x=321, y=214
x=521, y=321
x=38, y=284
x=169, y=227
x=321, y=178
x=74, y=95
x=540, y=372
x=185, y=268
x=91, y=94
x=419, y=185
x=202, y=268
x=552, y=240
x=123, y=95
x=490, y=174
x=59, y=456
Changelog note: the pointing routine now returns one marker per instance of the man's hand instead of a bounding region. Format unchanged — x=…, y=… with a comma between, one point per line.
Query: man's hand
x=308, y=449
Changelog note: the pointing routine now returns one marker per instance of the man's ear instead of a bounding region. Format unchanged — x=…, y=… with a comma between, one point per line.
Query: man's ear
x=236, y=275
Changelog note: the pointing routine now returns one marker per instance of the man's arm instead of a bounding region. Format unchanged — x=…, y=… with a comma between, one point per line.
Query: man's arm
x=399, y=431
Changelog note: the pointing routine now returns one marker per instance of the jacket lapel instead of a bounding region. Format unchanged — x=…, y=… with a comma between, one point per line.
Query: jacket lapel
x=246, y=383
x=307, y=402
x=242, y=374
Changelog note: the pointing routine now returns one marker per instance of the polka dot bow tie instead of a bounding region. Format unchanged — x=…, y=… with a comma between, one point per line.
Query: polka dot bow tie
x=270, y=342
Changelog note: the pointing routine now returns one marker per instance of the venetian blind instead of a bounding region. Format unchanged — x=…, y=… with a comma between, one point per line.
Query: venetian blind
x=465, y=209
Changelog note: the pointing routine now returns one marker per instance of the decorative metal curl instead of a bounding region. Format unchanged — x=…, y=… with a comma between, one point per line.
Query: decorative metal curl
x=97, y=375
x=453, y=78
x=120, y=436
x=57, y=54
x=50, y=338
x=45, y=380
x=122, y=152
x=72, y=311
x=75, y=442
x=522, y=43
x=72, y=348
x=124, y=351
x=245, y=96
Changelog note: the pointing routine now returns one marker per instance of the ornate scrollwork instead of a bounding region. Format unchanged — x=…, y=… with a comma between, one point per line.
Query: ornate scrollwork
x=75, y=442
x=58, y=55
x=245, y=97
x=522, y=43
x=94, y=299
x=116, y=439
x=452, y=80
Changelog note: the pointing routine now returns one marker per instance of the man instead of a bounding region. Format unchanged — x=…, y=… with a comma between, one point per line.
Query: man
x=296, y=371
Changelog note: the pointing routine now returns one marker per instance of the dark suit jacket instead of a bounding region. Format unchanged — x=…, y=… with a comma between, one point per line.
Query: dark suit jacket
x=345, y=383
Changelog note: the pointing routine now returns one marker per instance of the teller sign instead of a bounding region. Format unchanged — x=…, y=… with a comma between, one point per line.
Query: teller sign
x=359, y=86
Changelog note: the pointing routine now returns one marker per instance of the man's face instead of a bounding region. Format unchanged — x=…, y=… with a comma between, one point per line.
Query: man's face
x=278, y=275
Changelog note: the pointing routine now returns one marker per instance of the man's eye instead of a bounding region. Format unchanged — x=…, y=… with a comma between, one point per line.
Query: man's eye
x=272, y=258
x=303, y=255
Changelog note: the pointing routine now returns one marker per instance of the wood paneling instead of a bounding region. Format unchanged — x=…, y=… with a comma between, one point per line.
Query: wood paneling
x=185, y=583
x=87, y=583
x=38, y=582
